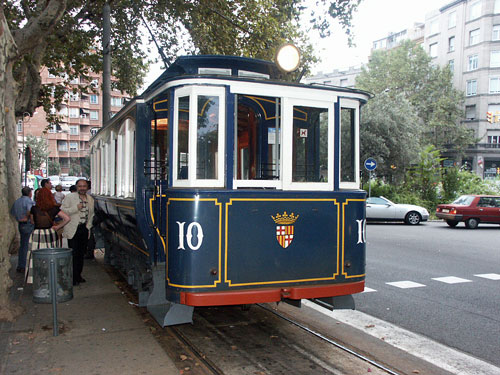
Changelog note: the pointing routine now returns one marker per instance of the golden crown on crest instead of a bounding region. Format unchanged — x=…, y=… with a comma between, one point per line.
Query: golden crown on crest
x=285, y=218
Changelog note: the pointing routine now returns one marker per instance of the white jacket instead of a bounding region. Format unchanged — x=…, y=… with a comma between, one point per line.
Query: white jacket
x=70, y=207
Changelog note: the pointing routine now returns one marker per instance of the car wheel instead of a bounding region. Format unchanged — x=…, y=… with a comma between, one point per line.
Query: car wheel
x=472, y=223
x=412, y=218
x=452, y=223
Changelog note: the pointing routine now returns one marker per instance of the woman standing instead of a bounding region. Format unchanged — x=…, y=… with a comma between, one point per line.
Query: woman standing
x=45, y=235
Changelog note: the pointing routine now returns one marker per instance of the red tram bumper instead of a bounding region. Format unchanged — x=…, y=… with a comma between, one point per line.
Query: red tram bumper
x=243, y=297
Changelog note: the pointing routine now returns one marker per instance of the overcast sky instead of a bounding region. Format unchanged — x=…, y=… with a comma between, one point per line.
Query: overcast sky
x=373, y=20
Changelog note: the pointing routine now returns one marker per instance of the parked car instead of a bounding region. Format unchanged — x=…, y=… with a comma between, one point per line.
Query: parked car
x=67, y=181
x=56, y=180
x=471, y=209
x=382, y=209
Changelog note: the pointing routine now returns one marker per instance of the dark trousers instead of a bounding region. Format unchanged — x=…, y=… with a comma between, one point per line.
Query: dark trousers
x=79, y=245
x=25, y=230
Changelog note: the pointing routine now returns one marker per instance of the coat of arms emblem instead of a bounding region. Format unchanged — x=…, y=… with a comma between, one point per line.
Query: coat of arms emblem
x=284, y=228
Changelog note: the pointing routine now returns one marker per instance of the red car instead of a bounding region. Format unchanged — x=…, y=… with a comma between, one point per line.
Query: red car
x=471, y=209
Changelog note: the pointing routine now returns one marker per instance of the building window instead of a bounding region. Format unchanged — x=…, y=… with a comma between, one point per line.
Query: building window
x=53, y=128
x=74, y=97
x=62, y=146
x=94, y=115
x=75, y=81
x=20, y=126
x=451, y=44
x=494, y=139
x=94, y=99
x=433, y=50
x=73, y=146
x=495, y=59
x=434, y=27
x=470, y=112
x=452, y=20
x=451, y=65
x=73, y=129
x=473, y=62
x=494, y=85
x=475, y=10
x=495, y=35
x=116, y=101
x=74, y=112
x=471, y=87
x=94, y=83
x=474, y=37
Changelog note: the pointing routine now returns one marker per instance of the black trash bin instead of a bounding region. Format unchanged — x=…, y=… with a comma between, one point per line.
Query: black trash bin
x=63, y=261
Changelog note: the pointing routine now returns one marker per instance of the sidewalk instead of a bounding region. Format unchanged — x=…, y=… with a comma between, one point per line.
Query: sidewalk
x=100, y=333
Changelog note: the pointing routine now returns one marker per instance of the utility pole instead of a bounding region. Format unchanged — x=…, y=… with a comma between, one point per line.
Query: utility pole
x=106, y=71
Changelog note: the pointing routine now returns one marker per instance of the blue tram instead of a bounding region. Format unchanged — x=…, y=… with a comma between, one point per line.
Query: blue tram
x=223, y=185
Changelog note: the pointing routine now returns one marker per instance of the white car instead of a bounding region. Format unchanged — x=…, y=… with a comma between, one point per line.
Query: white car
x=56, y=180
x=67, y=181
x=380, y=208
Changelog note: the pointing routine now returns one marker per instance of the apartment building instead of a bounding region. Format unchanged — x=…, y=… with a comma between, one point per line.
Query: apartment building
x=465, y=35
x=338, y=77
x=81, y=116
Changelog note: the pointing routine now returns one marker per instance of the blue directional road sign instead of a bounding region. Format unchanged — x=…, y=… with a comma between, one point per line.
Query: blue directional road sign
x=370, y=164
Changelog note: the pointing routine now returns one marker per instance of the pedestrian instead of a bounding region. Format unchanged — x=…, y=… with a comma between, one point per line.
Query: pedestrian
x=59, y=195
x=80, y=207
x=45, y=234
x=72, y=189
x=21, y=211
x=47, y=184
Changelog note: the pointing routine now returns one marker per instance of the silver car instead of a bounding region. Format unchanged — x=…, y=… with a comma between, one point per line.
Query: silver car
x=67, y=181
x=380, y=208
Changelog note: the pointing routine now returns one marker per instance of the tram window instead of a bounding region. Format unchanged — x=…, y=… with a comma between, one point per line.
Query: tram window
x=161, y=152
x=256, y=143
x=207, y=137
x=310, y=144
x=347, y=145
x=183, y=138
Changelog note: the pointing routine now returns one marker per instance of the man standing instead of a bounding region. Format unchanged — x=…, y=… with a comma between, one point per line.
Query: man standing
x=80, y=208
x=21, y=211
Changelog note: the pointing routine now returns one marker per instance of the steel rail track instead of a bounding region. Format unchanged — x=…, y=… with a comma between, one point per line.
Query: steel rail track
x=330, y=341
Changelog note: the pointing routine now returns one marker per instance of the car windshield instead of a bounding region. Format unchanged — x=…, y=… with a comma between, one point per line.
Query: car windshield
x=464, y=200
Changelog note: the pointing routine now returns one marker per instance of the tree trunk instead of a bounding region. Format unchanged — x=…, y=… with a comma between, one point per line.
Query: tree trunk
x=9, y=169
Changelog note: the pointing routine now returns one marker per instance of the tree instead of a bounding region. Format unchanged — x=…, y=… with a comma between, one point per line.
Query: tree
x=408, y=70
x=54, y=167
x=63, y=36
x=390, y=132
x=39, y=151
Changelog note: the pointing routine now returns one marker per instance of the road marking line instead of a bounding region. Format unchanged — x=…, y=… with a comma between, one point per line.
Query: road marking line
x=368, y=290
x=451, y=280
x=422, y=347
x=491, y=276
x=405, y=284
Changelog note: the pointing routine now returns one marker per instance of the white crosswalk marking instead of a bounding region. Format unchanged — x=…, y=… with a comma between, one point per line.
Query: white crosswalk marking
x=451, y=280
x=491, y=276
x=405, y=284
x=368, y=290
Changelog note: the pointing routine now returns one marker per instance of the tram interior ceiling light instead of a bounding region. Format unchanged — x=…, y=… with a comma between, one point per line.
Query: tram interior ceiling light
x=288, y=58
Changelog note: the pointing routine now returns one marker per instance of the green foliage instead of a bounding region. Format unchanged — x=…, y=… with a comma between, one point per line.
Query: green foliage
x=457, y=183
x=39, y=151
x=407, y=71
x=71, y=45
x=54, y=167
x=390, y=132
x=425, y=177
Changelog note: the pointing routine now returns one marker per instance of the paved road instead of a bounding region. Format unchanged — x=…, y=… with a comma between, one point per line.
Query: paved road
x=440, y=282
